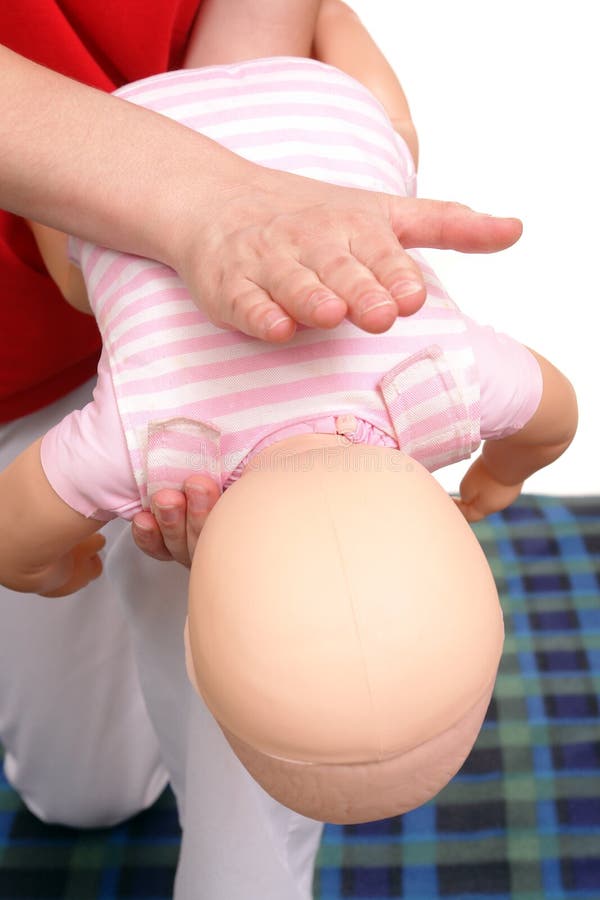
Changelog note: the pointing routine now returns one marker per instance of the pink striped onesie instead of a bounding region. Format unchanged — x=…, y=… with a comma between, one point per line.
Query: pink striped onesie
x=177, y=395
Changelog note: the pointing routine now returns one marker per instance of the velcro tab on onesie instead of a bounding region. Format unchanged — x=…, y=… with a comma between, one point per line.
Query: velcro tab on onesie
x=178, y=448
x=427, y=409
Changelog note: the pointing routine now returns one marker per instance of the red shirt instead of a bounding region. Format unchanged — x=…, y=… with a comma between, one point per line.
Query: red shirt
x=47, y=348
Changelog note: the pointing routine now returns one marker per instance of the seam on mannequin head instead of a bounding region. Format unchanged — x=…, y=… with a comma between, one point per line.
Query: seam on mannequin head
x=357, y=630
x=367, y=762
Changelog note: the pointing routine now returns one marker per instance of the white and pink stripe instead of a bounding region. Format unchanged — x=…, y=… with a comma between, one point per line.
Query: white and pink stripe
x=194, y=397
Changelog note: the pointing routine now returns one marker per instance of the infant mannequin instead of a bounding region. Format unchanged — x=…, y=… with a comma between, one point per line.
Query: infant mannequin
x=344, y=628
x=368, y=708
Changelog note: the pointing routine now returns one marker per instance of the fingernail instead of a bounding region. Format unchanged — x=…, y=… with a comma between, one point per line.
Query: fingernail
x=167, y=514
x=386, y=301
x=274, y=319
x=318, y=300
x=406, y=289
x=143, y=527
x=198, y=500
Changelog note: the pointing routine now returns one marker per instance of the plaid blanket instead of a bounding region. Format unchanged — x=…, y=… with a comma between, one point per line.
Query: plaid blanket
x=521, y=821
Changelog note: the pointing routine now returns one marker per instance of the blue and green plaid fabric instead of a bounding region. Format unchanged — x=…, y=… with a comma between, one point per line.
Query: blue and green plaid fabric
x=521, y=821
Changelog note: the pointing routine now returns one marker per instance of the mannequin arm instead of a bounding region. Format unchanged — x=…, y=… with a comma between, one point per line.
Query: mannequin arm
x=341, y=40
x=496, y=478
x=47, y=547
x=228, y=31
x=52, y=245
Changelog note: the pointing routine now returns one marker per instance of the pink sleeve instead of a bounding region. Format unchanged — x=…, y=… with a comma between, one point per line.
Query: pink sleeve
x=86, y=460
x=510, y=379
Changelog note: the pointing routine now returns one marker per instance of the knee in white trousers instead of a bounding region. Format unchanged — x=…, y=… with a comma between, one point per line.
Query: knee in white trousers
x=79, y=746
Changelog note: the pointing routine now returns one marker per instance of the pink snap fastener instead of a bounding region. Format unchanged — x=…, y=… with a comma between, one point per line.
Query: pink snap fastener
x=346, y=424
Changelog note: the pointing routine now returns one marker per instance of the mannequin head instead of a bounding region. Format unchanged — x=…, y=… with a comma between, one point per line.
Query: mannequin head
x=344, y=628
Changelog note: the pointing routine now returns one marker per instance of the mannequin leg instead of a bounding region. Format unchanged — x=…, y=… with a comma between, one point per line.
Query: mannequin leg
x=79, y=746
x=238, y=843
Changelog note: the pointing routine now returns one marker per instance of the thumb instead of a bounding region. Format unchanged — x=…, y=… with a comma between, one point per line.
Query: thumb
x=445, y=225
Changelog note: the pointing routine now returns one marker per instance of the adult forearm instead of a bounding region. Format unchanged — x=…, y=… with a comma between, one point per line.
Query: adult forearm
x=260, y=250
x=91, y=164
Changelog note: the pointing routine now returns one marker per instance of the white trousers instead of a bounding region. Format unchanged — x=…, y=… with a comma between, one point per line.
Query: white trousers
x=84, y=746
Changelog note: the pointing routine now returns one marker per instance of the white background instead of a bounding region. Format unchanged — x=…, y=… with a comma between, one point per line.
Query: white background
x=506, y=99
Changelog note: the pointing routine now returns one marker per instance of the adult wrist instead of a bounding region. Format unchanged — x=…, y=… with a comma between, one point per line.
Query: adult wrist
x=206, y=183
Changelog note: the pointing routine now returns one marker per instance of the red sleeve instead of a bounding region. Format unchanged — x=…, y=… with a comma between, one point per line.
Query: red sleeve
x=47, y=348
x=105, y=44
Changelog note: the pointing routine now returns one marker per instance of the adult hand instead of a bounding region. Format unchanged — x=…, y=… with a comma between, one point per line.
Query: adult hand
x=281, y=249
x=260, y=250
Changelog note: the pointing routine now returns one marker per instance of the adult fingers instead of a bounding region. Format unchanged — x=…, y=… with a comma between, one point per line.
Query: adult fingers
x=375, y=276
x=297, y=289
x=171, y=530
x=370, y=306
x=350, y=265
x=387, y=261
x=245, y=305
x=364, y=264
x=328, y=261
x=201, y=493
x=273, y=292
x=449, y=226
x=162, y=533
x=270, y=307
x=148, y=538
